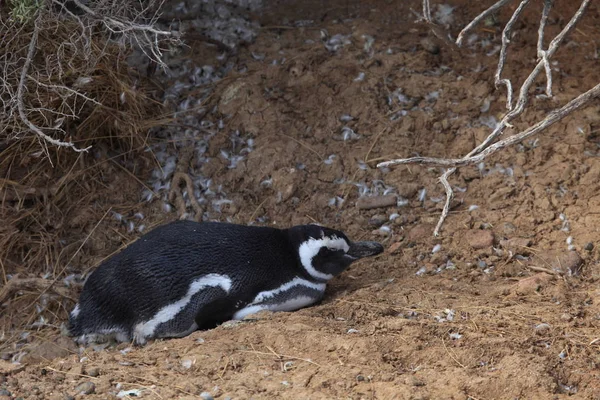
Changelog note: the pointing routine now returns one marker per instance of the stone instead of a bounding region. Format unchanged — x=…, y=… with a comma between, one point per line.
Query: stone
x=532, y=284
x=370, y=202
x=479, y=238
x=47, y=351
x=85, y=388
x=517, y=245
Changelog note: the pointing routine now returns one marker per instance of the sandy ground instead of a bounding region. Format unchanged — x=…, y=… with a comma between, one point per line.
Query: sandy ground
x=467, y=315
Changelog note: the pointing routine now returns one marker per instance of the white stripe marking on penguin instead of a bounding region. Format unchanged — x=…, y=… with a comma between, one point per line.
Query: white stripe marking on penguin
x=289, y=305
x=309, y=249
x=165, y=314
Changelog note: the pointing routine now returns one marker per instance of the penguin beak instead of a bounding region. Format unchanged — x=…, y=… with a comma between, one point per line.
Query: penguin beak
x=364, y=249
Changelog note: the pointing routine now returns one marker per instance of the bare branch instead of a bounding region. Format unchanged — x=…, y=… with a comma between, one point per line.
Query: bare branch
x=117, y=26
x=502, y=58
x=545, y=12
x=524, y=91
x=427, y=11
x=543, y=55
x=478, y=19
x=553, y=117
x=21, y=105
x=65, y=88
x=449, y=196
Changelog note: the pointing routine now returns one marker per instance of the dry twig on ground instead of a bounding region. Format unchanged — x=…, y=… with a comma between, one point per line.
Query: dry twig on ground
x=489, y=144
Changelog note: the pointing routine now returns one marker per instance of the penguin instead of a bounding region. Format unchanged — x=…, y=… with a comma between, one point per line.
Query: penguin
x=185, y=276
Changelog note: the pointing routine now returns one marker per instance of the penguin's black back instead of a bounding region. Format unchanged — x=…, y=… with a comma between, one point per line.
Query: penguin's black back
x=157, y=269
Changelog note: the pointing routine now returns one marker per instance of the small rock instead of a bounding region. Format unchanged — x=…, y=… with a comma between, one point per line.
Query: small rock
x=378, y=220
x=420, y=232
x=85, y=388
x=4, y=392
x=370, y=202
x=508, y=228
x=589, y=246
x=517, y=245
x=46, y=351
x=566, y=317
x=430, y=46
x=566, y=262
x=571, y=263
x=532, y=284
x=542, y=329
x=417, y=382
x=360, y=378
x=206, y=396
x=94, y=372
x=479, y=238
x=394, y=247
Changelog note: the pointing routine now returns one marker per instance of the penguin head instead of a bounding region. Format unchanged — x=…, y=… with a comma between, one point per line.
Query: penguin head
x=325, y=253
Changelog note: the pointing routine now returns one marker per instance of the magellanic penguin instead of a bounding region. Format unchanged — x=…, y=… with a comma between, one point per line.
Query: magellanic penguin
x=185, y=276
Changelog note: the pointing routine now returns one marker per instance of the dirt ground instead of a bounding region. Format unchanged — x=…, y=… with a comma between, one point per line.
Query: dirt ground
x=468, y=315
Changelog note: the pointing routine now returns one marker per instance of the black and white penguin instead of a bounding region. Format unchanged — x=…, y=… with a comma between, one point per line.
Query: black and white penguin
x=185, y=276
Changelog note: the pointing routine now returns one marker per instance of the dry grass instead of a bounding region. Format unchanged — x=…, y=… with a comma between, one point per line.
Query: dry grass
x=77, y=89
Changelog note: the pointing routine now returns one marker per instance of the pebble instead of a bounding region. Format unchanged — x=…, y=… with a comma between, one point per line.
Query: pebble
x=394, y=247
x=370, y=202
x=94, y=372
x=542, y=329
x=420, y=232
x=479, y=238
x=378, y=220
x=566, y=317
x=517, y=245
x=589, y=246
x=430, y=46
x=206, y=396
x=85, y=388
x=4, y=392
x=508, y=228
x=568, y=263
x=533, y=284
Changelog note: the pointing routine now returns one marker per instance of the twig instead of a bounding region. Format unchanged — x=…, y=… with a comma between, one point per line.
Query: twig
x=546, y=270
x=303, y=145
x=280, y=356
x=449, y=195
x=542, y=54
x=427, y=11
x=251, y=219
x=478, y=19
x=553, y=117
x=452, y=355
x=21, y=89
x=502, y=57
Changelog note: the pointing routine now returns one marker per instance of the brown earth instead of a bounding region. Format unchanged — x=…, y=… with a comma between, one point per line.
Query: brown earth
x=492, y=313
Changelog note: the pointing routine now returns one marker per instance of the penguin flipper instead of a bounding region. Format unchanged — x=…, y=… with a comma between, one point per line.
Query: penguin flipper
x=181, y=318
